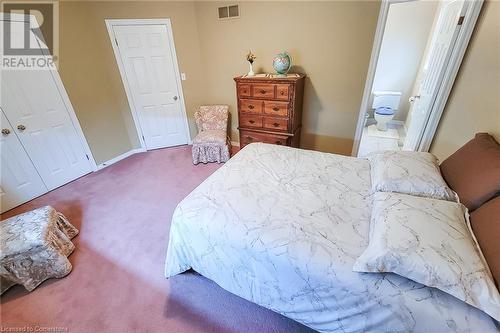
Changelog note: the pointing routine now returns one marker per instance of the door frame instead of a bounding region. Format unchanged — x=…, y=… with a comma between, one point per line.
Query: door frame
x=62, y=92
x=463, y=38
x=110, y=23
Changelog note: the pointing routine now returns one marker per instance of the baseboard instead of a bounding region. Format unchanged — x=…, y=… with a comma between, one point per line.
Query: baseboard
x=371, y=121
x=397, y=122
x=136, y=151
x=120, y=157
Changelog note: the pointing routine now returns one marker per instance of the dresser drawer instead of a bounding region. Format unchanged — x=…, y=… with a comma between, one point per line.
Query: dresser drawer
x=276, y=140
x=279, y=109
x=247, y=137
x=250, y=137
x=244, y=90
x=283, y=91
x=250, y=106
x=263, y=90
x=248, y=120
x=276, y=124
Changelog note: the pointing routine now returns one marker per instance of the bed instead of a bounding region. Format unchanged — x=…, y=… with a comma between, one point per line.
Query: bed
x=282, y=227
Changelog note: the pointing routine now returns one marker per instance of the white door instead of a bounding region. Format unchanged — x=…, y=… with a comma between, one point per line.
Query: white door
x=34, y=107
x=444, y=36
x=148, y=60
x=19, y=180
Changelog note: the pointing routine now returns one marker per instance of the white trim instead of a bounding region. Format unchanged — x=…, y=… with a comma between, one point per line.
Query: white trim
x=120, y=157
x=110, y=23
x=448, y=79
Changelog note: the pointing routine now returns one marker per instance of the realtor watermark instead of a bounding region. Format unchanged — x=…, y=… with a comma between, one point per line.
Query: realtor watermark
x=30, y=35
x=34, y=328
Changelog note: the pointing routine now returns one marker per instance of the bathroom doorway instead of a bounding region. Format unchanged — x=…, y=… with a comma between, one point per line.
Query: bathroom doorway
x=417, y=51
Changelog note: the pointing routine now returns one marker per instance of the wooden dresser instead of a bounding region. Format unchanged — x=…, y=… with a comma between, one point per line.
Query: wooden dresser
x=270, y=109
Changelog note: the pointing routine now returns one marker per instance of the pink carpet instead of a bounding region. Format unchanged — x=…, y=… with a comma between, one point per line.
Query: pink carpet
x=123, y=213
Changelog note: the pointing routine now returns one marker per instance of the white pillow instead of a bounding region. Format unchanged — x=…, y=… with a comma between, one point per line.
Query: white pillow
x=409, y=172
x=430, y=242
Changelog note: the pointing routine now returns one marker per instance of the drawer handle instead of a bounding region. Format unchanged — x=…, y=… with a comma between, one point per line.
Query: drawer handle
x=276, y=108
x=262, y=91
x=278, y=142
x=282, y=92
x=251, y=121
x=276, y=125
x=249, y=138
x=251, y=107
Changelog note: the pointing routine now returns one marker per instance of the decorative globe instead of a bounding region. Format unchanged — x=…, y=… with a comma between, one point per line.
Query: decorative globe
x=282, y=63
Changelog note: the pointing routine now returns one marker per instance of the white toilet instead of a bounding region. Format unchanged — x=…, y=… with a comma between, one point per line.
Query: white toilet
x=385, y=105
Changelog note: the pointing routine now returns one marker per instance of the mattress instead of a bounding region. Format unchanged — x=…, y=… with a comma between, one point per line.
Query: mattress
x=282, y=227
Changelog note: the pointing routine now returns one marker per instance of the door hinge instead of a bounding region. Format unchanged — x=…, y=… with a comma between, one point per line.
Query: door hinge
x=87, y=156
x=461, y=20
x=116, y=41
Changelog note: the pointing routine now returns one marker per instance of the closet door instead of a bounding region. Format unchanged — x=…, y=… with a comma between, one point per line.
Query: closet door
x=34, y=106
x=19, y=181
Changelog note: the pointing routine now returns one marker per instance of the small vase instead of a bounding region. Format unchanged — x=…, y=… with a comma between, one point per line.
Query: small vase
x=250, y=72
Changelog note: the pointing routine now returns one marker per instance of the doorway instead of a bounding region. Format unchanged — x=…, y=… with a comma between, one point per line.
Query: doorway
x=146, y=58
x=417, y=51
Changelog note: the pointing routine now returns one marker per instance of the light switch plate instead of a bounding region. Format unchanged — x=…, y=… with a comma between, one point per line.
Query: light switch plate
x=183, y=76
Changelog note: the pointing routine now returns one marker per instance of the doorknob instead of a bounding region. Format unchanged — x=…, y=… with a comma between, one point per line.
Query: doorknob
x=413, y=98
x=175, y=98
x=5, y=131
x=21, y=127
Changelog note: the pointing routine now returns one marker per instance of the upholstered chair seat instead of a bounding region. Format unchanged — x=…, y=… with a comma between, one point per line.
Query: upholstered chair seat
x=211, y=144
x=211, y=136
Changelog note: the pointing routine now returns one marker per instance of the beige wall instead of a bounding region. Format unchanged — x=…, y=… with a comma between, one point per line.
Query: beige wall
x=474, y=104
x=329, y=41
x=405, y=37
x=90, y=74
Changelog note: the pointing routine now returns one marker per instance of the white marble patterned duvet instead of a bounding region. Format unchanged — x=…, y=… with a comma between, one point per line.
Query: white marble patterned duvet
x=282, y=227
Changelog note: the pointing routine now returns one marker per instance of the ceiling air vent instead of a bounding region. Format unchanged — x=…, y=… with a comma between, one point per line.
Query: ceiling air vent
x=229, y=12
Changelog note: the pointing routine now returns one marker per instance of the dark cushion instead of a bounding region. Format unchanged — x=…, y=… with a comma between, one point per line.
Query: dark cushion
x=473, y=171
x=485, y=223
